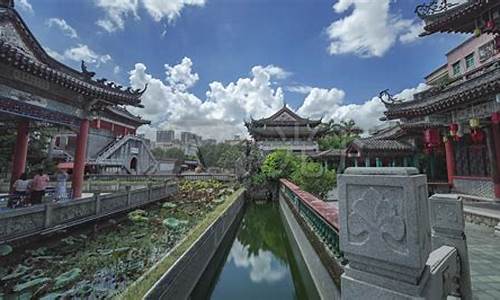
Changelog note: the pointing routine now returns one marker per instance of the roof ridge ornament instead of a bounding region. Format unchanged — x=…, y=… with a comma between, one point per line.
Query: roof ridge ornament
x=387, y=98
x=436, y=6
x=86, y=72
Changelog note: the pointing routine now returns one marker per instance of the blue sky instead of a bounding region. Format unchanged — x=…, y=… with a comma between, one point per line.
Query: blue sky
x=336, y=52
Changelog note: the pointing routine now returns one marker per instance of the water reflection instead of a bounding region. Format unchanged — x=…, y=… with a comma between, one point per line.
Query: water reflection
x=262, y=267
x=260, y=264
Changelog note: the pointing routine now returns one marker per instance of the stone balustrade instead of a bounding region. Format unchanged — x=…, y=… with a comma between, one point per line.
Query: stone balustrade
x=38, y=219
x=399, y=243
x=193, y=176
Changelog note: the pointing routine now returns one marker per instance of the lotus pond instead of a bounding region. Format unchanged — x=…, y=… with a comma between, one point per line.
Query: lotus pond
x=101, y=260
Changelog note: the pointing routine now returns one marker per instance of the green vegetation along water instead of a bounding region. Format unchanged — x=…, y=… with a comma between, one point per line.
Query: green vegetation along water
x=98, y=262
x=260, y=263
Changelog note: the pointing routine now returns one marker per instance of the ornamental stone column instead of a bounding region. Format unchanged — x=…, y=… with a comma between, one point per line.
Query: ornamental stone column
x=80, y=158
x=494, y=149
x=20, y=152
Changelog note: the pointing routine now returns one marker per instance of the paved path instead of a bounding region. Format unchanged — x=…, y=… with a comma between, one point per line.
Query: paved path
x=484, y=256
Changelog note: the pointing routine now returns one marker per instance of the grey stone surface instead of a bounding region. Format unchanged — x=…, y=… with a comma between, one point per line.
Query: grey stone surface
x=384, y=222
x=381, y=171
x=484, y=258
x=386, y=236
x=324, y=284
x=448, y=226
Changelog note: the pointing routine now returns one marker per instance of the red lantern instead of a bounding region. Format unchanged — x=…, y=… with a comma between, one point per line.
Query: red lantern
x=477, y=136
x=490, y=25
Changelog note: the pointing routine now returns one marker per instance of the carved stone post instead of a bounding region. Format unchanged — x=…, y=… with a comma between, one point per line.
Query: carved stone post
x=49, y=208
x=97, y=197
x=128, y=188
x=448, y=225
x=384, y=233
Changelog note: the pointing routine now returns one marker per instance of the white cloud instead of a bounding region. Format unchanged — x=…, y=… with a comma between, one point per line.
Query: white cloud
x=220, y=115
x=63, y=26
x=329, y=104
x=169, y=103
x=25, y=5
x=300, y=89
x=262, y=267
x=369, y=30
x=180, y=76
x=412, y=34
x=321, y=102
x=116, y=70
x=169, y=9
x=118, y=10
x=83, y=52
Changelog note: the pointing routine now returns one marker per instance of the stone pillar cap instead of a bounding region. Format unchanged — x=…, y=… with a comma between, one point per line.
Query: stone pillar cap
x=395, y=171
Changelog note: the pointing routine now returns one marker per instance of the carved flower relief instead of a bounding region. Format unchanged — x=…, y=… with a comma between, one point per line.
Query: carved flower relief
x=374, y=217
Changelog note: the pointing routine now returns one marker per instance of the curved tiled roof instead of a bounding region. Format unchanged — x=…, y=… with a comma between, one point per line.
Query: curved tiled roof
x=375, y=145
x=437, y=100
x=20, y=50
x=440, y=16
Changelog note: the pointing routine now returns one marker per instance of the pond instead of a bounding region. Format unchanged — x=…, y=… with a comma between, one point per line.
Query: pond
x=257, y=262
x=100, y=260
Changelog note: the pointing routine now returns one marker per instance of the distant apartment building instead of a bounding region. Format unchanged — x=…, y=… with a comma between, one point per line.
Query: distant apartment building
x=190, y=138
x=165, y=136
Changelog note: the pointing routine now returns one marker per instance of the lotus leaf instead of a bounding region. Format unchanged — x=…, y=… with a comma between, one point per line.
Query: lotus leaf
x=169, y=205
x=67, y=277
x=52, y=296
x=5, y=250
x=38, y=252
x=18, y=272
x=30, y=284
x=219, y=200
x=26, y=296
x=33, y=275
x=171, y=223
x=138, y=215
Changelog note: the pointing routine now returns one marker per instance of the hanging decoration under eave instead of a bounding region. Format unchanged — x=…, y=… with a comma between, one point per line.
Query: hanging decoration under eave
x=476, y=134
x=455, y=136
x=432, y=139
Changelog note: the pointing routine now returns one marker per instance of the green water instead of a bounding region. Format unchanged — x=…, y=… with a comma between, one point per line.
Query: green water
x=258, y=263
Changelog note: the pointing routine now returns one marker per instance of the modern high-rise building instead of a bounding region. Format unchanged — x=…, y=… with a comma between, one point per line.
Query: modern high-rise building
x=165, y=136
x=190, y=138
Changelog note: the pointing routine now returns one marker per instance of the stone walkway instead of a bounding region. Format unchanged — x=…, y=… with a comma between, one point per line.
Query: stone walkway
x=484, y=256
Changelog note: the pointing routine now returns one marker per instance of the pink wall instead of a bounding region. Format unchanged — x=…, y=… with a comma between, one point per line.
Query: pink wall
x=469, y=46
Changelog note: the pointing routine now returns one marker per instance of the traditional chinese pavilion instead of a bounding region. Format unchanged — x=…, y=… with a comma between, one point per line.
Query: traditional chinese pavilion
x=464, y=95
x=34, y=87
x=286, y=130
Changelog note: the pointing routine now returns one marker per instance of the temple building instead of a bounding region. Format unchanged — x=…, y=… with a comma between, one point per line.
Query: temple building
x=286, y=130
x=36, y=88
x=461, y=109
x=113, y=146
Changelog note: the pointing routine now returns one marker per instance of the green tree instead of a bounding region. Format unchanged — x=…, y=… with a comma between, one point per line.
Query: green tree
x=221, y=155
x=313, y=177
x=279, y=164
x=339, y=135
x=171, y=153
x=39, y=141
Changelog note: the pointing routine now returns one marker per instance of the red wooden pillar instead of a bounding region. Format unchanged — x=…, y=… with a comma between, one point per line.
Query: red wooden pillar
x=80, y=158
x=495, y=132
x=450, y=160
x=20, y=151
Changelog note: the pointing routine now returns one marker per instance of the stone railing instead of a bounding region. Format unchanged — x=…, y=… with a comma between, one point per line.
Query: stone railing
x=319, y=215
x=38, y=219
x=193, y=176
x=399, y=243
